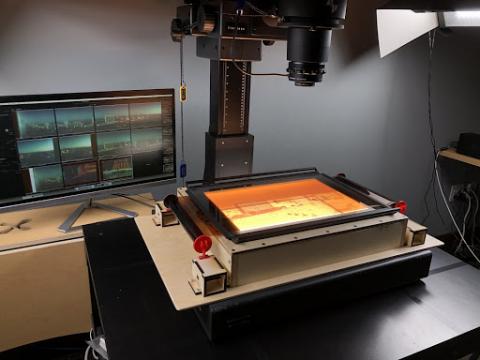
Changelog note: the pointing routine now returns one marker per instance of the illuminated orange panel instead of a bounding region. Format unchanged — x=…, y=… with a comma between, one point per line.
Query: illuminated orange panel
x=267, y=206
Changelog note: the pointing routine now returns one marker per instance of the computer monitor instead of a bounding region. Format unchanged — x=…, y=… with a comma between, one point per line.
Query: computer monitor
x=82, y=145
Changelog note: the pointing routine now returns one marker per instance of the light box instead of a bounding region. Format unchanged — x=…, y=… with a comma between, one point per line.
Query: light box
x=267, y=205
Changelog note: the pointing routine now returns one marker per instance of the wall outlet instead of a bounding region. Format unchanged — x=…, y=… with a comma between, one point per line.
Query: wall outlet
x=454, y=191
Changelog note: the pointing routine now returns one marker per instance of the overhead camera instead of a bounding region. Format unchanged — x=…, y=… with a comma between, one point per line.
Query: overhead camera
x=307, y=25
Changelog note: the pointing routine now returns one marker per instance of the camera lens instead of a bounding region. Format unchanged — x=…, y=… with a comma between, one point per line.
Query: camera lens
x=308, y=50
x=305, y=74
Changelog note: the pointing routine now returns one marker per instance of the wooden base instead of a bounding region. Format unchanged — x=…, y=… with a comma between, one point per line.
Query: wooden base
x=172, y=251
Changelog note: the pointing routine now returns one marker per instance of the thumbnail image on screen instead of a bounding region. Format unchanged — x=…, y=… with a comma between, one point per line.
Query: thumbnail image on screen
x=38, y=152
x=115, y=169
x=76, y=120
x=74, y=148
x=146, y=114
x=144, y=140
x=111, y=117
x=79, y=174
x=36, y=123
x=46, y=178
x=115, y=143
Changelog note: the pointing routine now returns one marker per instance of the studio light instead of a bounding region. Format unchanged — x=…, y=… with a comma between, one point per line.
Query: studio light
x=402, y=21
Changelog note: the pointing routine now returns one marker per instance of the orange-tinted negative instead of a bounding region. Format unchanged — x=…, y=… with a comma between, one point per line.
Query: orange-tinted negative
x=267, y=206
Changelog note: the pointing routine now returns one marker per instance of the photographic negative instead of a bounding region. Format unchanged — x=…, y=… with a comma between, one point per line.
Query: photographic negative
x=265, y=206
x=38, y=152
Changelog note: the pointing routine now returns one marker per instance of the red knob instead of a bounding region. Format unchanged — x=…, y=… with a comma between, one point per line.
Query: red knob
x=202, y=244
x=402, y=206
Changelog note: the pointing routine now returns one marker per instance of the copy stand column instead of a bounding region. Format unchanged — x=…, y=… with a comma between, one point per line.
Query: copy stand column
x=228, y=145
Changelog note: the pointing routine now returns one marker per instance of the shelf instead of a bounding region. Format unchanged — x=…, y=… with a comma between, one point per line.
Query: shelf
x=452, y=154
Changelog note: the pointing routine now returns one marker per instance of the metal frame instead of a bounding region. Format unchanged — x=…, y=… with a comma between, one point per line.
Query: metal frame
x=196, y=191
x=67, y=225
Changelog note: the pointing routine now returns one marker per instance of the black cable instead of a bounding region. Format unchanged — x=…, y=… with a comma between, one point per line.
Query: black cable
x=234, y=61
x=425, y=197
x=246, y=15
x=146, y=198
x=257, y=9
x=431, y=47
x=182, y=108
x=431, y=186
x=474, y=217
x=431, y=42
x=135, y=200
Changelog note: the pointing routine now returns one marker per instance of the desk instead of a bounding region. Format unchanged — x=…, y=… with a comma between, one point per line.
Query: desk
x=452, y=154
x=44, y=288
x=437, y=318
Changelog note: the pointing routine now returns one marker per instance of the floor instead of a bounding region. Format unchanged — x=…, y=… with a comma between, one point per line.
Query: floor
x=71, y=348
x=68, y=348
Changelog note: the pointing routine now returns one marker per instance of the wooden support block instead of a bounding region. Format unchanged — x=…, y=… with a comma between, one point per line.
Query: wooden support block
x=164, y=216
x=416, y=234
x=209, y=277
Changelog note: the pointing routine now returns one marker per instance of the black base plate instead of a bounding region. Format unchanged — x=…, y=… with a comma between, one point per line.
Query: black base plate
x=229, y=317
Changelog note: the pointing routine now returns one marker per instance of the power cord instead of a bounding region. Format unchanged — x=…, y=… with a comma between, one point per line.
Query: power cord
x=257, y=9
x=183, y=99
x=445, y=201
x=474, y=217
x=96, y=347
x=431, y=186
x=431, y=46
x=436, y=152
x=465, y=219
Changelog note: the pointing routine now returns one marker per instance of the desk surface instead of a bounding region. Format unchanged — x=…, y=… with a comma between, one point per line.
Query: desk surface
x=437, y=318
x=46, y=220
x=454, y=155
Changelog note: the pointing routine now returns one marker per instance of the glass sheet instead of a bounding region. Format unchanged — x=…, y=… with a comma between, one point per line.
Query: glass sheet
x=264, y=207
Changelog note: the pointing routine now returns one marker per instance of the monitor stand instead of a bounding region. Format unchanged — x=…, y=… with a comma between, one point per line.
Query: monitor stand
x=67, y=226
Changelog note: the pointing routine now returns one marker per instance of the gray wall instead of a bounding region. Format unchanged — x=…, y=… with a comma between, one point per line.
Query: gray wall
x=368, y=119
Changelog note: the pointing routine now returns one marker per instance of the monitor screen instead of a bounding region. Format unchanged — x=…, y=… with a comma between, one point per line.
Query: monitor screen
x=69, y=144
